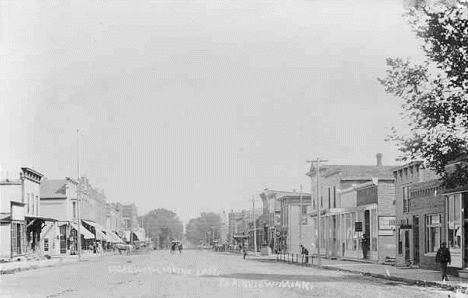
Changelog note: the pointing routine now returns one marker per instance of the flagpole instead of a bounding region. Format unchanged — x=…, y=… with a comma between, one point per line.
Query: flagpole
x=78, y=193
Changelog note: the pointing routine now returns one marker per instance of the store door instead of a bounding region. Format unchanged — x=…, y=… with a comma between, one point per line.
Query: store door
x=63, y=239
x=407, y=246
x=367, y=228
x=416, y=240
x=465, y=229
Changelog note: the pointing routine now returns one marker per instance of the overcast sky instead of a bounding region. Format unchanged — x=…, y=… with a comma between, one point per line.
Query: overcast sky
x=196, y=106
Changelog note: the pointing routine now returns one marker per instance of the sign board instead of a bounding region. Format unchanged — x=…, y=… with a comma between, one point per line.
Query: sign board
x=358, y=226
x=387, y=223
x=386, y=233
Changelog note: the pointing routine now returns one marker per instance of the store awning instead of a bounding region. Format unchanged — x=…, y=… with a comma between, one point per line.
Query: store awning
x=40, y=218
x=114, y=238
x=87, y=234
x=101, y=232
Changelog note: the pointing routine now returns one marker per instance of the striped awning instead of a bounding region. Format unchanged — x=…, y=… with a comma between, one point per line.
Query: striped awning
x=102, y=233
x=114, y=238
x=87, y=234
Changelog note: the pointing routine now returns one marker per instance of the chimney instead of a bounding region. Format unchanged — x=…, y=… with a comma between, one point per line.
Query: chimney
x=379, y=159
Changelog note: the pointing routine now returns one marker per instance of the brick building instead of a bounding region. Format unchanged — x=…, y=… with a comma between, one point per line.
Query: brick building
x=406, y=176
x=427, y=207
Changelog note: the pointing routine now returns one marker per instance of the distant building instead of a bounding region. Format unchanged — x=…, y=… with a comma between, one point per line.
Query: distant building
x=273, y=233
x=93, y=203
x=295, y=227
x=59, y=201
x=130, y=222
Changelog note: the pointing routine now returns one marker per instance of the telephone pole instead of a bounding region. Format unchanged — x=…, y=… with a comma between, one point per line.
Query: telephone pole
x=78, y=194
x=254, y=227
x=317, y=200
x=300, y=219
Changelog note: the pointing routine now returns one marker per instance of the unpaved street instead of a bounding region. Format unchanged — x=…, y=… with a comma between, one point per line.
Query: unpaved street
x=196, y=274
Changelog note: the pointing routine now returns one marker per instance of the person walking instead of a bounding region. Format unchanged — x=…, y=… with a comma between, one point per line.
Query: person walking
x=245, y=252
x=443, y=258
x=100, y=250
x=180, y=248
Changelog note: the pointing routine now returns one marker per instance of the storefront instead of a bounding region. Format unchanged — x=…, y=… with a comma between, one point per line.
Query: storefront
x=457, y=228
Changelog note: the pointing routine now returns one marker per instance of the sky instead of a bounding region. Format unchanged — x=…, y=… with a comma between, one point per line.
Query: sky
x=196, y=106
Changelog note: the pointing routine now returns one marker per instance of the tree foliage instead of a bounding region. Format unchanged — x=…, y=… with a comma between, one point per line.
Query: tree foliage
x=164, y=225
x=434, y=94
x=197, y=228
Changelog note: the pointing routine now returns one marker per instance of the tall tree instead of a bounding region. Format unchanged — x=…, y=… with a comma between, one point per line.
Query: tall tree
x=435, y=100
x=163, y=225
x=198, y=229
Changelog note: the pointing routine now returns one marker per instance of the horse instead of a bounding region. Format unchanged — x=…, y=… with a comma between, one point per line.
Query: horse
x=128, y=248
x=173, y=248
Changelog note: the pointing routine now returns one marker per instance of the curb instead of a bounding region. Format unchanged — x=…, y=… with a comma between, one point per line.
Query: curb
x=408, y=281
x=413, y=282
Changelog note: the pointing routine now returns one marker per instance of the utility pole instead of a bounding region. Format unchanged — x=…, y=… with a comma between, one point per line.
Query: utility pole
x=78, y=194
x=318, y=201
x=254, y=227
x=300, y=218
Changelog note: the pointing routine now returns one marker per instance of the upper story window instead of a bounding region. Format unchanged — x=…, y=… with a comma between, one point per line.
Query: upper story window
x=405, y=199
x=334, y=196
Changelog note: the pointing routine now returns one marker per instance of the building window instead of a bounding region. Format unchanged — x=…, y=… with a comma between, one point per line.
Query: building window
x=329, y=197
x=303, y=215
x=349, y=232
x=405, y=199
x=334, y=196
x=37, y=206
x=32, y=204
x=454, y=222
x=433, y=228
x=17, y=239
x=74, y=209
x=373, y=230
x=29, y=202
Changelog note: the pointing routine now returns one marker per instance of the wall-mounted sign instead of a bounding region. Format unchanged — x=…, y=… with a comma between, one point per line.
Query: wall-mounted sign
x=358, y=226
x=387, y=222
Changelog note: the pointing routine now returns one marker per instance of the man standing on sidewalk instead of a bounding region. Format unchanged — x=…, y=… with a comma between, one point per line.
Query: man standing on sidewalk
x=443, y=257
x=364, y=246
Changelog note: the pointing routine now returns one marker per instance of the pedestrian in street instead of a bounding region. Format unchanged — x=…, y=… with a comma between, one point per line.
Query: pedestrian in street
x=100, y=249
x=245, y=252
x=443, y=257
x=306, y=253
x=180, y=248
